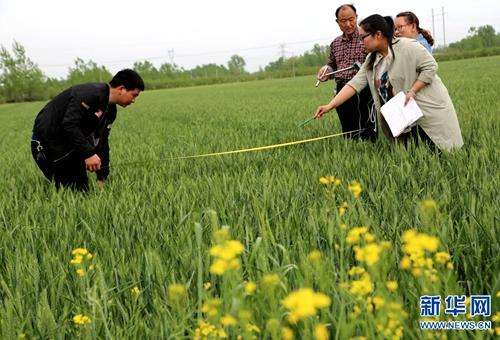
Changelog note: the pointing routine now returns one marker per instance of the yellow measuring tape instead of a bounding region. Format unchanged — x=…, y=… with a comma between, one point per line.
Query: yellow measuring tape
x=267, y=147
x=259, y=148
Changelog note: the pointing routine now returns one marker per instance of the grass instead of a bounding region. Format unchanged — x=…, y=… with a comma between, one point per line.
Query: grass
x=153, y=224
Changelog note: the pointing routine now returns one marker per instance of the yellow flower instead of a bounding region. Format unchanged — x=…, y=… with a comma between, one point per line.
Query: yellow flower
x=327, y=180
x=498, y=294
x=369, y=254
x=442, y=257
x=76, y=260
x=391, y=285
x=176, y=290
x=361, y=287
x=303, y=303
x=369, y=237
x=80, y=251
x=314, y=256
x=271, y=279
x=80, y=272
x=252, y=328
x=287, y=333
x=428, y=206
x=250, y=287
x=221, y=235
x=355, y=188
x=81, y=319
x=207, y=285
x=89, y=256
x=219, y=267
x=321, y=332
x=496, y=317
x=378, y=301
x=405, y=263
x=211, y=307
x=353, y=236
x=135, y=291
x=342, y=209
x=228, y=320
x=343, y=226
x=356, y=271
x=417, y=272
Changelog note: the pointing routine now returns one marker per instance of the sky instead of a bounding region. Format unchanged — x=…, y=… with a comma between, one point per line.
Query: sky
x=189, y=33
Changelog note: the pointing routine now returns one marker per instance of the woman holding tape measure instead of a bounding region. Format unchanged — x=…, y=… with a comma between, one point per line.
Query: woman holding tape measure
x=401, y=64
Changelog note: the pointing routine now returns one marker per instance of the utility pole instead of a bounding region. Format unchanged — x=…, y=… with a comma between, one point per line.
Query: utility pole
x=433, y=28
x=171, y=56
x=444, y=31
x=283, y=51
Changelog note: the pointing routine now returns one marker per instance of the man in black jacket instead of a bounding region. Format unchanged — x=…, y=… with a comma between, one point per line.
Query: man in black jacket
x=70, y=135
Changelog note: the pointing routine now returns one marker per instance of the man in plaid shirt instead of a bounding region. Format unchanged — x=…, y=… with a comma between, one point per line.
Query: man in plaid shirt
x=345, y=50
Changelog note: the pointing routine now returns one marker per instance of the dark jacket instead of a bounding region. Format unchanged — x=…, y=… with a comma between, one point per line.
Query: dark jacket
x=77, y=122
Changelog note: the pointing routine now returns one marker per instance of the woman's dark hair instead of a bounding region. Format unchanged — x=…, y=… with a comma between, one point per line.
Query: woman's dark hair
x=130, y=79
x=411, y=19
x=377, y=23
x=344, y=6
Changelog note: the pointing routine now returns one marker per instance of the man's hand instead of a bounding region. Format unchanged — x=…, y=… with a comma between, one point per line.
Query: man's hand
x=93, y=163
x=322, y=71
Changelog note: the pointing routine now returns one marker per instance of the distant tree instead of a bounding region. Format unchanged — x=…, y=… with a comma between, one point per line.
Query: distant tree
x=87, y=72
x=478, y=37
x=20, y=78
x=236, y=64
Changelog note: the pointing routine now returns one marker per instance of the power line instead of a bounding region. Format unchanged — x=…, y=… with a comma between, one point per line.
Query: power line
x=211, y=53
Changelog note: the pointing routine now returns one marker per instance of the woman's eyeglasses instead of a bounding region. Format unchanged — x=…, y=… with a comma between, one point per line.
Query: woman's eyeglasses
x=362, y=37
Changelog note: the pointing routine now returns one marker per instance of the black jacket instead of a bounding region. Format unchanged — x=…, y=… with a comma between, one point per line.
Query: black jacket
x=77, y=122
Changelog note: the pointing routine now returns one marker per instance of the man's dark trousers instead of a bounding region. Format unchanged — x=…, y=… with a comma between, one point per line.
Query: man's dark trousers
x=68, y=172
x=354, y=114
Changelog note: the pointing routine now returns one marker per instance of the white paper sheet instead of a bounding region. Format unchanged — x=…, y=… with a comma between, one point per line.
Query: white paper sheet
x=398, y=116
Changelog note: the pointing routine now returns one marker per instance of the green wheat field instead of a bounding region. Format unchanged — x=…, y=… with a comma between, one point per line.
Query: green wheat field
x=330, y=239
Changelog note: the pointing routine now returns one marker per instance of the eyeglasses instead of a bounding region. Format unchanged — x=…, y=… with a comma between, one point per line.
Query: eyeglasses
x=400, y=27
x=362, y=37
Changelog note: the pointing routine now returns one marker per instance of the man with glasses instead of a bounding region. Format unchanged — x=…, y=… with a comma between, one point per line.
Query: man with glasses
x=345, y=50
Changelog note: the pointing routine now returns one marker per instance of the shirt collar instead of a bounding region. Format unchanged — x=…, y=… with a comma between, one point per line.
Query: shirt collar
x=355, y=35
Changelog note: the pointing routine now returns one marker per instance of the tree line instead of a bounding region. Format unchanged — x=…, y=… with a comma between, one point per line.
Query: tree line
x=22, y=80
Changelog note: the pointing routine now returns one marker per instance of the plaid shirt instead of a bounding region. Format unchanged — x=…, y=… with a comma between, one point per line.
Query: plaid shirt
x=344, y=51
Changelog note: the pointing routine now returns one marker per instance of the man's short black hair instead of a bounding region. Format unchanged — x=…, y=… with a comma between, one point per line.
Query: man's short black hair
x=130, y=79
x=342, y=6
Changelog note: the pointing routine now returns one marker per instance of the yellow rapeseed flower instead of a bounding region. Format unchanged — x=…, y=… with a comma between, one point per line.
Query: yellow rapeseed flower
x=327, y=180
x=271, y=279
x=228, y=320
x=80, y=272
x=207, y=285
x=354, y=235
x=355, y=188
x=314, y=256
x=219, y=267
x=80, y=251
x=361, y=287
x=378, y=301
x=135, y=291
x=405, y=263
x=391, y=285
x=211, y=307
x=78, y=259
x=287, y=333
x=252, y=328
x=81, y=319
x=176, y=290
x=321, y=332
x=303, y=303
x=442, y=257
x=369, y=253
x=342, y=209
x=250, y=287
x=356, y=271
